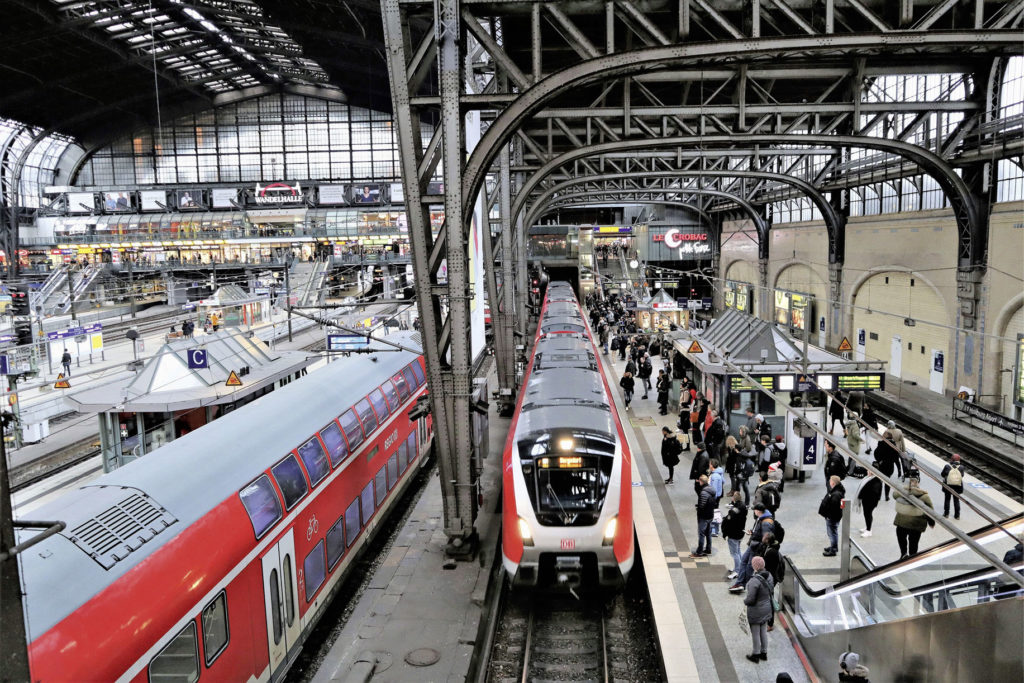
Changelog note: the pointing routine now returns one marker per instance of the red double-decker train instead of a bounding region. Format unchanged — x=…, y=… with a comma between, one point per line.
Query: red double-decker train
x=213, y=557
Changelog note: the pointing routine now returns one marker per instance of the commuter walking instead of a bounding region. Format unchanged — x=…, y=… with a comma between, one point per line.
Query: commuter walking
x=732, y=528
x=670, y=450
x=953, y=478
x=894, y=435
x=707, y=502
x=628, y=384
x=759, y=609
x=852, y=434
x=886, y=457
x=65, y=360
x=910, y=521
x=868, y=495
x=645, y=372
x=831, y=508
x=836, y=412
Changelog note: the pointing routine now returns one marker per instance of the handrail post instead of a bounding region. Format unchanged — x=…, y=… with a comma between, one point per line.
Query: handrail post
x=844, y=543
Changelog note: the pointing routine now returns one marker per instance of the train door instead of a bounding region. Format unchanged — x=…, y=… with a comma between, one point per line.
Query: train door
x=280, y=596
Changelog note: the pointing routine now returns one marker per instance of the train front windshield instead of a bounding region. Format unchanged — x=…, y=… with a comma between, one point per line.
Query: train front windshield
x=568, y=490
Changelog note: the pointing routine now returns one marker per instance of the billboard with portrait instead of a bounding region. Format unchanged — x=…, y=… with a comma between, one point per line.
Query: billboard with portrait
x=189, y=199
x=366, y=193
x=119, y=200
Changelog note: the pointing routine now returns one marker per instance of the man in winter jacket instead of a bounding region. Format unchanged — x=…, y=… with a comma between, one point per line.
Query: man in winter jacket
x=715, y=435
x=732, y=528
x=767, y=493
x=670, y=450
x=707, y=502
x=699, y=466
x=835, y=466
x=663, y=386
x=762, y=525
x=953, y=478
x=645, y=372
x=831, y=508
x=910, y=521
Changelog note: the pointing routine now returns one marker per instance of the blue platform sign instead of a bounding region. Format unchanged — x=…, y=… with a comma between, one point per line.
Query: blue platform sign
x=810, y=450
x=5, y=365
x=346, y=342
x=197, y=359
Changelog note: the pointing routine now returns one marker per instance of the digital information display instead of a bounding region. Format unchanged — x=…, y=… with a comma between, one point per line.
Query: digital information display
x=740, y=383
x=869, y=381
x=862, y=381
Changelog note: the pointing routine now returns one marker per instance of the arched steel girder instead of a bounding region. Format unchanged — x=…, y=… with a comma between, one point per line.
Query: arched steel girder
x=555, y=203
x=652, y=59
x=833, y=222
x=755, y=215
x=972, y=232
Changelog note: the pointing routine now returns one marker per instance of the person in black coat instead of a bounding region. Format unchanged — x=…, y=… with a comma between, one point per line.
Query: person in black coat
x=701, y=460
x=886, y=456
x=867, y=498
x=628, y=384
x=835, y=464
x=670, y=450
x=663, y=385
x=831, y=508
x=836, y=412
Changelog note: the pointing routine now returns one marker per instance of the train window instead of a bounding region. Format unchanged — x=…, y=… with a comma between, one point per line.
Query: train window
x=400, y=384
x=289, y=597
x=417, y=370
x=275, y=606
x=336, y=543
x=334, y=442
x=366, y=416
x=315, y=570
x=380, y=406
x=411, y=442
x=351, y=523
x=261, y=502
x=315, y=460
x=403, y=456
x=178, y=662
x=353, y=432
x=289, y=477
x=380, y=481
x=391, y=395
x=410, y=378
x=215, y=628
x=366, y=503
x=392, y=471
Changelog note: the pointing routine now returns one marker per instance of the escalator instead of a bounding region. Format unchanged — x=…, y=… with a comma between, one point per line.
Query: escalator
x=945, y=614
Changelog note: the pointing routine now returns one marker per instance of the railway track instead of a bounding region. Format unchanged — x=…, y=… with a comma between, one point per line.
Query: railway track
x=42, y=468
x=1001, y=471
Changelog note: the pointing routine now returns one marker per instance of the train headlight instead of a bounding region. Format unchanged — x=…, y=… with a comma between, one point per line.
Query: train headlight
x=524, y=532
x=566, y=444
x=609, y=531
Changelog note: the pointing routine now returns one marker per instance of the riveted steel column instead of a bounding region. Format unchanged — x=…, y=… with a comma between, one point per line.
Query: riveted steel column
x=503, y=311
x=457, y=377
x=519, y=250
x=453, y=451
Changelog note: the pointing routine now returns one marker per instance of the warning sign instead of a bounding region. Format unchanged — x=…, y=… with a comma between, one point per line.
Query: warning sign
x=233, y=380
x=695, y=347
x=845, y=345
x=61, y=383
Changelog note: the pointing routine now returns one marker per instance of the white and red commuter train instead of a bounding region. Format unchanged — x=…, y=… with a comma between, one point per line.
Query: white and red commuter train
x=213, y=557
x=567, y=501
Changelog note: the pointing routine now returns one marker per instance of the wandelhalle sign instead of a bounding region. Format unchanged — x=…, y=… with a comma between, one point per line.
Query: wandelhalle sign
x=680, y=244
x=276, y=194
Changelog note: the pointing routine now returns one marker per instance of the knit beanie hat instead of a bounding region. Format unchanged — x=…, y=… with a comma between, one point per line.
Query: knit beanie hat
x=757, y=563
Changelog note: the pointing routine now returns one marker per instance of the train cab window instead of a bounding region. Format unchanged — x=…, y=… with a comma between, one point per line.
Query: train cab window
x=392, y=471
x=351, y=523
x=178, y=662
x=401, y=386
x=380, y=481
x=353, y=432
x=289, y=477
x=410, y=378
x=417, y=370
x=336, y=543
x=315, y=570
x=391, y=395
x=380, y=406
x=315, y=460
x=366, y=416
x=261, y=502
x=337, y=450
x=366, y=503
x=215, y=628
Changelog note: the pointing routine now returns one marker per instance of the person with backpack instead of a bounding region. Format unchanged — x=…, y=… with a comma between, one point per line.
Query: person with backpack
x=767, y=493
x=953, y=478
x=868, y=495
x=715, y=435
x=670, y=450
x=732, y=528
x=699, y=466
x=835, y=466
x=707, y=503
x=646, y=370
x=853, y=439
x=831, y=508
x=763, y=524
x=773, y=564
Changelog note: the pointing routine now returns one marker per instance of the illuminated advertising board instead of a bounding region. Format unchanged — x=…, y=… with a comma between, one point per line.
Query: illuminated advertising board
x=367, y=193
x=275, y=194
x=798, y=310
x=81, y=202
x=224, y=198
x=679, y=244
x=118, y=200
x=332, y=194
x=781, y=307
x=153, y=200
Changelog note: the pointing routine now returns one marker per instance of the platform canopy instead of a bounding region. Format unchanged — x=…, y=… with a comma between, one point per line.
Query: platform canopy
x=166, y=383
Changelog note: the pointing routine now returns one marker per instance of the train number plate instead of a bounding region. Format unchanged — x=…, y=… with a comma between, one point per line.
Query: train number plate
x=568, y=544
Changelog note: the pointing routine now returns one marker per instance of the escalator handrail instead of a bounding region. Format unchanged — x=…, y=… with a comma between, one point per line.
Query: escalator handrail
x=885, y=568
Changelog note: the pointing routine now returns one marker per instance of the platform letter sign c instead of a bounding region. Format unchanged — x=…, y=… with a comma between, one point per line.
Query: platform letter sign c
x=197, y=359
